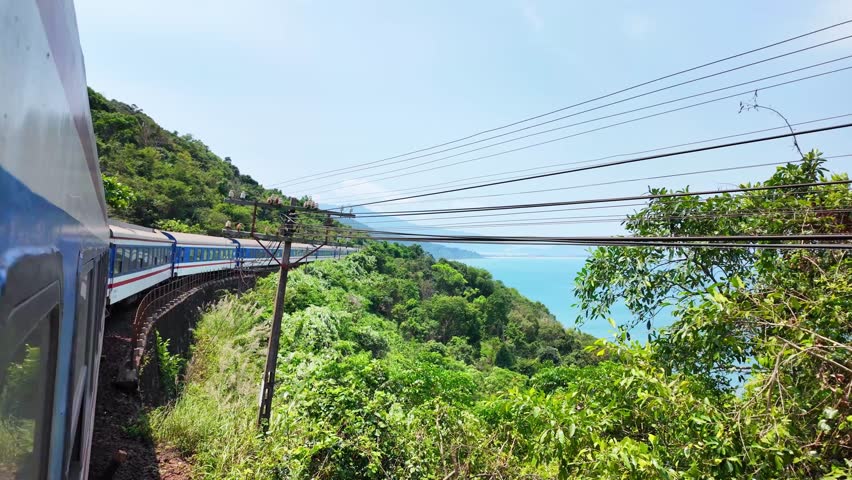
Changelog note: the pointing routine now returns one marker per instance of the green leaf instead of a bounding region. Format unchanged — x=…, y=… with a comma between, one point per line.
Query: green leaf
x=737, y=282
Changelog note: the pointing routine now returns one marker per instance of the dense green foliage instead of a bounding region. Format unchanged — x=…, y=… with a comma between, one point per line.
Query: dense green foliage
x=397, y=366
x=777, y=323
x=389, y=369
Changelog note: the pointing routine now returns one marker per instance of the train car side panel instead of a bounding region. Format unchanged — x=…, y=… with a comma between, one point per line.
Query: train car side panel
x=53, y=216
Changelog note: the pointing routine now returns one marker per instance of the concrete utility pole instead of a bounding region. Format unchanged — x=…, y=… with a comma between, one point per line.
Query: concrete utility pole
x=288, y=230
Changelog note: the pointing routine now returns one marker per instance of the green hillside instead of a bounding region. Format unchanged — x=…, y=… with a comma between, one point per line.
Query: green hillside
x=154, y=177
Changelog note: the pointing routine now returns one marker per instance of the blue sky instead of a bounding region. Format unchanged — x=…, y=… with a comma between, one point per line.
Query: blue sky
x=291, y=88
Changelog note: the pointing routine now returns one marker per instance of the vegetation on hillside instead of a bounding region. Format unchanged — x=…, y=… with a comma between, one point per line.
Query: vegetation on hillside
x=387, y=357
x=397, y=366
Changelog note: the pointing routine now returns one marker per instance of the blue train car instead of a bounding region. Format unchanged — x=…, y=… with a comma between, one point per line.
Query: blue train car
x=53, y=245
x=251, y=255
x=201, y=253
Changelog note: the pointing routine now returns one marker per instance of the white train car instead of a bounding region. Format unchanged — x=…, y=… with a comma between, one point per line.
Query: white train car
x=140, y=258
x=200, y=253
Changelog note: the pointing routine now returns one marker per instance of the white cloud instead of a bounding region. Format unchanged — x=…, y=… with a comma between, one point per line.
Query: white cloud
x=530, y=12
x=637, y=25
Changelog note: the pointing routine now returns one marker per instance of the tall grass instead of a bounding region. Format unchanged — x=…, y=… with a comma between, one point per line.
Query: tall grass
x=213, y=419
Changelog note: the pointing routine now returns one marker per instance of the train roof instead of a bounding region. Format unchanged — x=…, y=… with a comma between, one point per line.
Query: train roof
x=205, y=240
x=128, y=231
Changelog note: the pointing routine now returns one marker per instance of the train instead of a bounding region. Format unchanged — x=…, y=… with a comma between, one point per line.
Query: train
x=140, y=257
x=62, y=261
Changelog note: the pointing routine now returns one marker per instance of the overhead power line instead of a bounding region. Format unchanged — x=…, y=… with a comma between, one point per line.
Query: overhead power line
x=616, y=182
x=629, y=180
x=720, y=245
x=645, y=197
x=570, y=220
x=616, y=162
x=562, y=127
x=584, y=102
x=720, y=241
x=565, y=137
x=466, y=181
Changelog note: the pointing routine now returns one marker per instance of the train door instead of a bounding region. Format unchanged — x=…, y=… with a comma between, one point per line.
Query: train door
x=30, y=311
x=85, y=360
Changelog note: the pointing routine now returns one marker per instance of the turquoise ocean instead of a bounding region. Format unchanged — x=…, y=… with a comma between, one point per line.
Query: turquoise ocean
x=551, y=281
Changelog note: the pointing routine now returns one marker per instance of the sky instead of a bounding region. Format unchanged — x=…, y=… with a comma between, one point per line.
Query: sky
x=293, y=89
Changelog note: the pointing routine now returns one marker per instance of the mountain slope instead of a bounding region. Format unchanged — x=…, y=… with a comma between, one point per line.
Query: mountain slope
x=173, y=179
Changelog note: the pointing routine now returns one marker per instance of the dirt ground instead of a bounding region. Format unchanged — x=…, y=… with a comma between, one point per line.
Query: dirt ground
x=119, y=423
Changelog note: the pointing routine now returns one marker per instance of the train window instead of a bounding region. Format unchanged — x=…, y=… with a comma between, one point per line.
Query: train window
x=119, y=253
x=133, y=256
x=29, y=321
x=26, y=384
x=126, y=263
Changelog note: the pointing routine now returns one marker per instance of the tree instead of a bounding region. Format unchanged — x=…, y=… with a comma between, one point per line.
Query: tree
x=496, y=310
x=504, y=357
x=448, y=279
x=454, y=317
x=119, y=197
x=172, y=225
x=775, y=322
